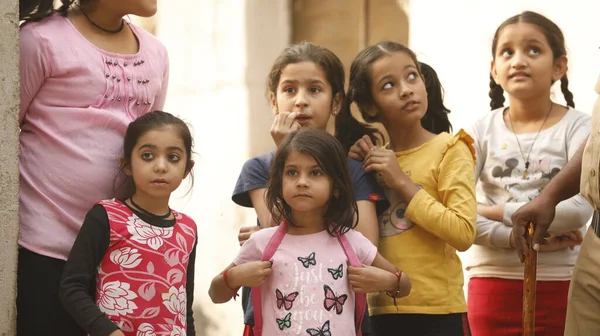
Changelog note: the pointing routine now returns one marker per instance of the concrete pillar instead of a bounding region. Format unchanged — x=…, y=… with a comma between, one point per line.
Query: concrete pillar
x=9, y=168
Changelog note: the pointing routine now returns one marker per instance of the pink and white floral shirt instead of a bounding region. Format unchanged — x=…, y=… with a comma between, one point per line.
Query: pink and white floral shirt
x=141, y=273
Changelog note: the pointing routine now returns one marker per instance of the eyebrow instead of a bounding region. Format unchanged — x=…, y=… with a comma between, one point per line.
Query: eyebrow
x=389, y=76
x=295, y=81
x=294, y=166
x=527, y=41
x=151, y=146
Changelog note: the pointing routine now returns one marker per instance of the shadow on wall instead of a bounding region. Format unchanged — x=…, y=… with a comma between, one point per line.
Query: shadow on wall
x=203, y=323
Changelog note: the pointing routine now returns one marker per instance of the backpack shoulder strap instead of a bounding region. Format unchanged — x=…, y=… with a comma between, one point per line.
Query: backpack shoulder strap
x=359, y=298
x=255, y=292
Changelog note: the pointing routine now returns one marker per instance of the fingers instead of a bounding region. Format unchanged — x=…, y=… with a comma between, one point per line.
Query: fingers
x=365, y=144
x=356, y=154
x=243, y=237
x=247, y=228
x=541, y=229
x=354, y=272
x=246, y=232
x=520, y=241
x=266, y=265
x=571, y=236
x=368, y=141
x=376, y=167
x=579, y=235
x=289, y=118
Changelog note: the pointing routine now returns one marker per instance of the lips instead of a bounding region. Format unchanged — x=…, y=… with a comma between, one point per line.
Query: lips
x=303, y=196
x=303, y=118
x=159, y=182
x=410, y=105
x=519, y=74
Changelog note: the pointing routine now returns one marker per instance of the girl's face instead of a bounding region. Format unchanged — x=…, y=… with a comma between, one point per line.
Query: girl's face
x=398, y=91
x=524, y=65
x=303, y=88
x=158, y=162
x=142, y=8
x=306, y=187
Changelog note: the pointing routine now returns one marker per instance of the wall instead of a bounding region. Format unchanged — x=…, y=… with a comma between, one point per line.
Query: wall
x=220, y=54
x=9, y=170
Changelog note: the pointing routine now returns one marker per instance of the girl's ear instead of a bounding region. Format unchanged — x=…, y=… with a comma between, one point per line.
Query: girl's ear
x=126, y=167
x=560, y=68
x=190, y=166
x=273, y=101
x=336, y=105
x=493, y=72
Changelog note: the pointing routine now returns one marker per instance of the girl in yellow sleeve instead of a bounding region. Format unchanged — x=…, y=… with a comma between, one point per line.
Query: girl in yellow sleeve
x=430, y=185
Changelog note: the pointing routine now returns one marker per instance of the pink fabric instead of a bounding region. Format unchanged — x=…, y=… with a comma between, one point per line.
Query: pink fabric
x=76, y=103
x=267, y=255
x=141, y=284
x=310, y=286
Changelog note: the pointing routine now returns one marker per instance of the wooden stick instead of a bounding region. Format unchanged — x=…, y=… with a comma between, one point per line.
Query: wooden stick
x=529, y=283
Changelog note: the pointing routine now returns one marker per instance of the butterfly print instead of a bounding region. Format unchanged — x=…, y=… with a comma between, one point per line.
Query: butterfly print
x=287, y=301
x=323, y=331
x=334, y=301
x=286, y=322
x=337, y=273
x=310, y=260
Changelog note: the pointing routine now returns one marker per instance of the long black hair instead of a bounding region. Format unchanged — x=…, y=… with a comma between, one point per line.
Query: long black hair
x=435, y=119
x=342, y=212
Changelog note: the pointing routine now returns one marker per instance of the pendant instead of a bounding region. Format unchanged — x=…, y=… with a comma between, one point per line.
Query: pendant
x=526, y=175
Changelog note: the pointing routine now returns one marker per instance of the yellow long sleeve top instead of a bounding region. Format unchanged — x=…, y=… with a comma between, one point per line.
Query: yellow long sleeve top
x=421, y=238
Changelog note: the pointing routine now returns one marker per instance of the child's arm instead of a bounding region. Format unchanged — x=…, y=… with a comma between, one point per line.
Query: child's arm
x=453, y=217
x=381, y=276
x=367, y=221
x=227, y=283
x=189, y=288
x=79, y=274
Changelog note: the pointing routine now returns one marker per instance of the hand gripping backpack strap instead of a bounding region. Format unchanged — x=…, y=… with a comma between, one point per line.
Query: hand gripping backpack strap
x=255, y=292
x=359, y=298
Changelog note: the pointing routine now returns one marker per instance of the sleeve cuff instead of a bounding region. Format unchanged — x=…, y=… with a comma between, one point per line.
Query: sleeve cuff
x=501, y=236
x=412, y=210
x=509, y=210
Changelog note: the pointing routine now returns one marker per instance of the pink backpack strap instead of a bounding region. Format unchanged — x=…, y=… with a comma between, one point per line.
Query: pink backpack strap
x=360, y=298
x=255, y=292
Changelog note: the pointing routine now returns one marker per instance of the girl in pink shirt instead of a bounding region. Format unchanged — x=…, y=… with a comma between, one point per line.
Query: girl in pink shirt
x=302, y=267
x=86, y=73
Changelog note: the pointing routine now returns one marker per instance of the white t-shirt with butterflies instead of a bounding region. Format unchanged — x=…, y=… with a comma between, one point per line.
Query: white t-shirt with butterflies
x=308, y=292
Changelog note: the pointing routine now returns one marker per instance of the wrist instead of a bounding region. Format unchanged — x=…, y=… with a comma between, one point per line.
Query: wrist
x=400, y=183
x=230, y=278
x=391, y=283
x=396, y=285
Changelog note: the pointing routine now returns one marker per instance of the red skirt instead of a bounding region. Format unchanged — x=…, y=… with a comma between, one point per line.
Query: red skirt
x=495, y=307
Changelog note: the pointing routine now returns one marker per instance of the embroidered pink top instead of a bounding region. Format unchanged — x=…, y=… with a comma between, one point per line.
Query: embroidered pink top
x=308, y=292
x=76, y=103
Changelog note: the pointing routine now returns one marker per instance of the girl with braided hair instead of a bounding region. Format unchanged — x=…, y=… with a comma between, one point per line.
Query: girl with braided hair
x=520, y=148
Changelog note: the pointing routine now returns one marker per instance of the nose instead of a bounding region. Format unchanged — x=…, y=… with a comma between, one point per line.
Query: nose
x=301, y=100
x=160, y=165
x=519, y=60
x=302, y=181
x=405, y=91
